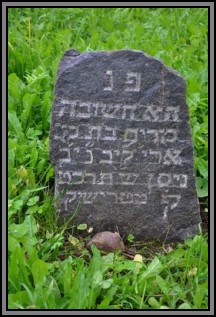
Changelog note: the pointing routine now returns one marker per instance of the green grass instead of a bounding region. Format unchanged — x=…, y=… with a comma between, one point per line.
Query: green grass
x=177, y=280
x=43, y=273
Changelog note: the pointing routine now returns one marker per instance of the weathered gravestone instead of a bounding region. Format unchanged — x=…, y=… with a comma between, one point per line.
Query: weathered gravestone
x=122, y=147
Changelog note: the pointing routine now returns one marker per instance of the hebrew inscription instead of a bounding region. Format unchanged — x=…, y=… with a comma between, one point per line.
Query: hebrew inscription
x=121, y=145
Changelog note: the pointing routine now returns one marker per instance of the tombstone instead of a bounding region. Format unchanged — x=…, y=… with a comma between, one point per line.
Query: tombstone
x=121, y=145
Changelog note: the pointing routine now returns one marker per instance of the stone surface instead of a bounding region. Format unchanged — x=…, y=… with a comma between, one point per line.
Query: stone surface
x=107, y=241
x=121, y=145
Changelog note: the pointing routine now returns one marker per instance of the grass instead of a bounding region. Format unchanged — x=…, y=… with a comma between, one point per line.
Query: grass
x=47, y=268
x=176, y=280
